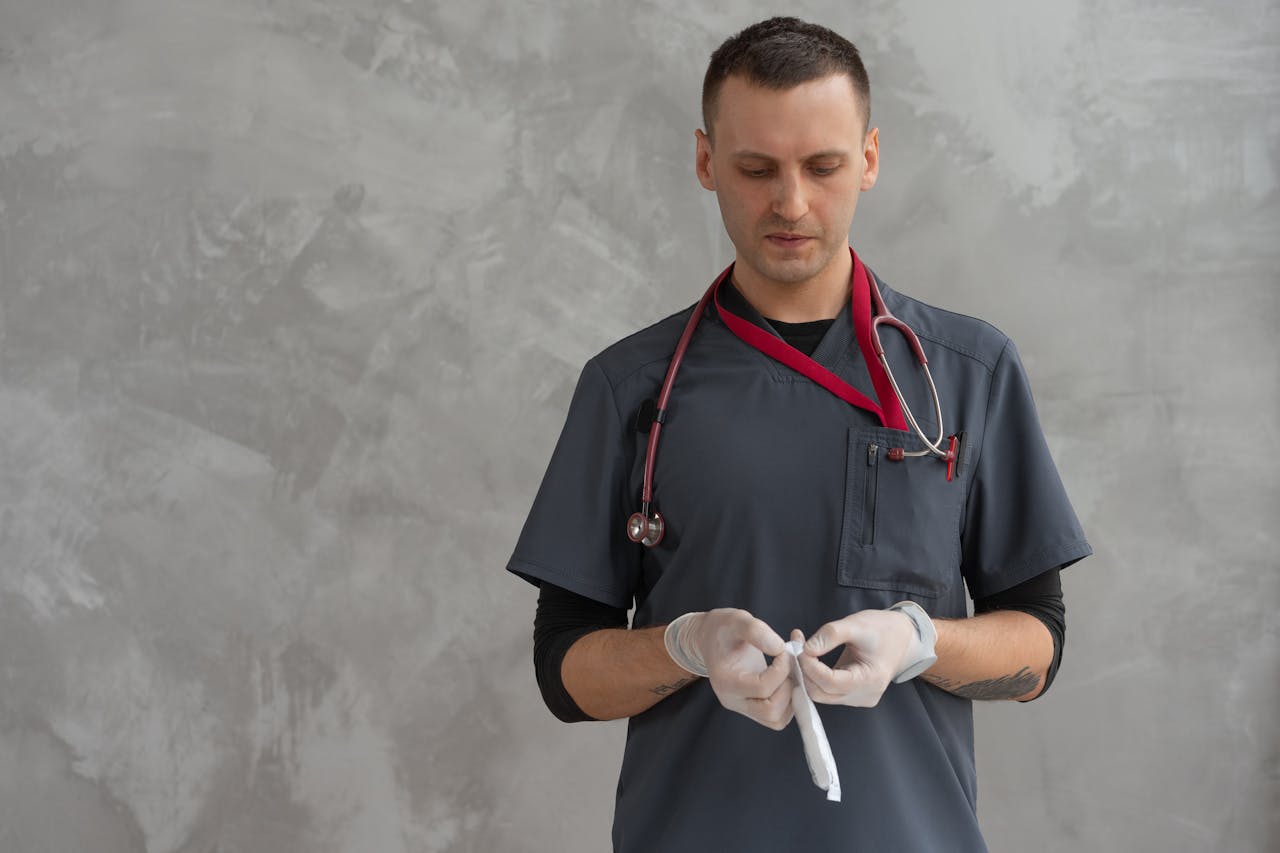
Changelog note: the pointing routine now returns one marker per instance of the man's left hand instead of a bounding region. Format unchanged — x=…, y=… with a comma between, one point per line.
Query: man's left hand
x=876, y=643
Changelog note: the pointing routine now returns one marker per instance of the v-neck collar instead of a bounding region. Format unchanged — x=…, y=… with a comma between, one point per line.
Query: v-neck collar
x=854, y=321
x=830, y=350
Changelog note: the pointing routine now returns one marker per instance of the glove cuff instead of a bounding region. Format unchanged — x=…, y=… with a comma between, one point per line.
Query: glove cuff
x=920, y=656
x=676, y=639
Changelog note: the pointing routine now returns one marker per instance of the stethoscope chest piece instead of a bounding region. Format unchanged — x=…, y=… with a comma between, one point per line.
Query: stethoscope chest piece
x=646, y=530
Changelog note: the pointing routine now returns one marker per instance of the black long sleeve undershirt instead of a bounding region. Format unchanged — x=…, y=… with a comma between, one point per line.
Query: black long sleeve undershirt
x=1042, y=598
x=562, y=618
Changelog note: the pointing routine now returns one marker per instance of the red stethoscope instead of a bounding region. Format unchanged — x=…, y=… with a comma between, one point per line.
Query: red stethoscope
x=647, y=526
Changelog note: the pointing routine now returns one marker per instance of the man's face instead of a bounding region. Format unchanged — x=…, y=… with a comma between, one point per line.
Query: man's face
x=787, y=167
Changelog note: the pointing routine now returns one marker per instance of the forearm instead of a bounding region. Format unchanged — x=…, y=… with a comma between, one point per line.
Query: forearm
x=1003, y=654
x=615, y=673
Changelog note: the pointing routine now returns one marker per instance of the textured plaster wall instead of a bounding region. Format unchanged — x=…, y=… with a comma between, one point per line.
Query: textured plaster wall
x=293, y=295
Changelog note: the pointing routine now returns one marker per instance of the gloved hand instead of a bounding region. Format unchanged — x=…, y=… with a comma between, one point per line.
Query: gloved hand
x=728, y=646
x=879, y=646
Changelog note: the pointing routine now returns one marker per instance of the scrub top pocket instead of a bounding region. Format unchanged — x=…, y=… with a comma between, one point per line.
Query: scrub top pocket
x=901, y=525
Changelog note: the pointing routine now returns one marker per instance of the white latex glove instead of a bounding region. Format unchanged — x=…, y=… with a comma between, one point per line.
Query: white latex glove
x=878, y=645
x=728, y=646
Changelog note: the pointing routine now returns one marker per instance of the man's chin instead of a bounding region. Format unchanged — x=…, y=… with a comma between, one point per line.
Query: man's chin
x=790, y=271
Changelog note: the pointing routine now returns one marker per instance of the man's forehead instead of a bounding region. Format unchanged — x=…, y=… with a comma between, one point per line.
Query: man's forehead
x=815, y=116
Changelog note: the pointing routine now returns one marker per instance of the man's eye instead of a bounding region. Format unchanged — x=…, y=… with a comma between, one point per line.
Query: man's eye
x=825, y=170
x=755, y=173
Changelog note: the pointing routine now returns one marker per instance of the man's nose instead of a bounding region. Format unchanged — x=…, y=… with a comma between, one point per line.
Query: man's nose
x=790, y=202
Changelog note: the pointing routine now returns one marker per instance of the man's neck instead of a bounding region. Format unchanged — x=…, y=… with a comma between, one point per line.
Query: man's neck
x=820, y=298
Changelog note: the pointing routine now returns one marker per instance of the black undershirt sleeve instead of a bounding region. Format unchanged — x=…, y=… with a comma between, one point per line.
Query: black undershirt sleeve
x=1042, y=598
x=562, y=618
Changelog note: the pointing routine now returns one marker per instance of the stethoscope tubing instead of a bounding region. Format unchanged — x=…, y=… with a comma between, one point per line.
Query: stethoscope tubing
x=647, y=527
x=660, y=416
x=884, y=316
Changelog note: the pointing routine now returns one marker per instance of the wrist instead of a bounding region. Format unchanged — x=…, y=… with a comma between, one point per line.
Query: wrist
x=921, y=653
x=678, y=639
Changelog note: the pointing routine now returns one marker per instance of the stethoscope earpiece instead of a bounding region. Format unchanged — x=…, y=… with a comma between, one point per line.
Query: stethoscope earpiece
x=645, y=530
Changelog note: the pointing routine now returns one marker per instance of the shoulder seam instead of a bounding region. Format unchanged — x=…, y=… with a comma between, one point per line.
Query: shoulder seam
x=642, y=365
x=965, y=351
x=613, y=393
x=688, y=309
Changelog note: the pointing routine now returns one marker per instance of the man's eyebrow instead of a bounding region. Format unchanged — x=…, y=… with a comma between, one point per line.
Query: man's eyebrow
x=832, y=153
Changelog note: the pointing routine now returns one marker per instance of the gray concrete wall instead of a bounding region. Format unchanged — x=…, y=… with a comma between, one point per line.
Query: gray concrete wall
x=292, y=298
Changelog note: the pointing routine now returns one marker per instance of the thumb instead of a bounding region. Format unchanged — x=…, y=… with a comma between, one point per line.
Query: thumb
x=821, y=641
x=764, y=638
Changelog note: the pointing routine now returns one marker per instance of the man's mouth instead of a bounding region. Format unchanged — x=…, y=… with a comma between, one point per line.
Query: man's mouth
x=786, y=239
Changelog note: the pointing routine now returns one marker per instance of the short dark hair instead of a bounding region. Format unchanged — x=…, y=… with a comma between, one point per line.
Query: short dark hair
x=782, y=53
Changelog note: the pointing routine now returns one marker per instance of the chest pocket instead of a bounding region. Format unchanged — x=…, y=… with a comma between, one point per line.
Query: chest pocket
x=901, y=525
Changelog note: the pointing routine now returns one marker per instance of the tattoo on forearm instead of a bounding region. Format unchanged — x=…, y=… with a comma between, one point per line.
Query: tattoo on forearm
x=665, y=689
x=1005, y=687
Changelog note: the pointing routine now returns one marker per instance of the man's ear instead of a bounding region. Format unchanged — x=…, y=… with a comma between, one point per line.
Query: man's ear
x=702, y=161
x=871, y=153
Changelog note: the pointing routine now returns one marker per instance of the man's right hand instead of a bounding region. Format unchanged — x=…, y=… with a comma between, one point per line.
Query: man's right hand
x=728, y=646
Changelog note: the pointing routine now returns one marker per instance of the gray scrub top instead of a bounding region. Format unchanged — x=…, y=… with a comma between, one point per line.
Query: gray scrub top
x=779, y=499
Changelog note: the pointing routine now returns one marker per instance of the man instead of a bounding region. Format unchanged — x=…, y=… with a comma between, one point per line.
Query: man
x=790, y=511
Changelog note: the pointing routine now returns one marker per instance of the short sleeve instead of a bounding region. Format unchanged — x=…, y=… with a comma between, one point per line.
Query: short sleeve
x=575, y=534
x=1019, y=522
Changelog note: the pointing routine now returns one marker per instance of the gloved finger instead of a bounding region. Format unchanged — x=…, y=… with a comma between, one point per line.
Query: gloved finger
x=740, y=679
x=759, y=634
x=822, y=680
x=772, y=679
x=867, y=696
x=817, y=675
x=833, y=634
x=774, y=711
x=862, y=687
